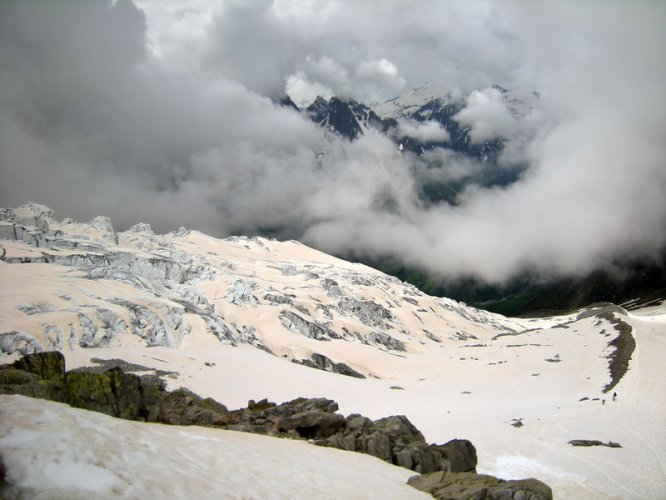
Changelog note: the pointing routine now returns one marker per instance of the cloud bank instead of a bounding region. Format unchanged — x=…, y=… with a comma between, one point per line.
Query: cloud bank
x=164, y=114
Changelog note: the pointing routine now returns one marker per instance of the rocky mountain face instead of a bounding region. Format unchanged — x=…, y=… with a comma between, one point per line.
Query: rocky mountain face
x=351, y=119
x=94, y=287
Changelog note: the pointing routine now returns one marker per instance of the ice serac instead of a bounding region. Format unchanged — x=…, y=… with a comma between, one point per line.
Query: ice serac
x=74, y=285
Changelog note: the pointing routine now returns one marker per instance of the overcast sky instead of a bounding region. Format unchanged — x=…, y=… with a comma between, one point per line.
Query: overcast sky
x=160, y=112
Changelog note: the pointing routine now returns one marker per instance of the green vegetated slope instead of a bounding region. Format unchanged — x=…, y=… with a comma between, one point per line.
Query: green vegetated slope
x=633, y=284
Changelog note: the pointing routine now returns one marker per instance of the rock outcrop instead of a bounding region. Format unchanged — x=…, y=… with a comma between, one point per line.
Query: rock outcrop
x=393, y=439
x=112, y=391
x=465, y=485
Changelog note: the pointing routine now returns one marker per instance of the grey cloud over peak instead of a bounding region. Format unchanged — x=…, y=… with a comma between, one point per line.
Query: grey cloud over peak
x=163, y=113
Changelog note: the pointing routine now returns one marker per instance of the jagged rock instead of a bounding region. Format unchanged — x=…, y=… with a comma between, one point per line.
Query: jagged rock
x=183, y=407
x=447, y=485
x=312, y=423
x=393, y=439
x=460, y=454
x=325, y=363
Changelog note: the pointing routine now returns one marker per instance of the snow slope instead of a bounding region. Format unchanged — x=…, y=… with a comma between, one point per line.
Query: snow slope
x=53, y=451
x=223, y=316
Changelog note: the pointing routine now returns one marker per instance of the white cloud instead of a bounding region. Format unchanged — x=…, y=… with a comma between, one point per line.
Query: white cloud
x=487, y=115
x=303, y=91
x=423, y=132
x=383, y=73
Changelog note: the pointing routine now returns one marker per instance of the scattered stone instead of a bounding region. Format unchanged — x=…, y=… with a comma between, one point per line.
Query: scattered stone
x=517, y=422
x=397, y=388
x=594, y=442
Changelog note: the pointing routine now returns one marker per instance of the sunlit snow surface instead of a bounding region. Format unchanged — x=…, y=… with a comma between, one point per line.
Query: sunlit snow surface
x=53, y=451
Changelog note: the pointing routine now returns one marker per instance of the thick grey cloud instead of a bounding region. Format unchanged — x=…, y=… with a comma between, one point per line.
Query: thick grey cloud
x=162, y=114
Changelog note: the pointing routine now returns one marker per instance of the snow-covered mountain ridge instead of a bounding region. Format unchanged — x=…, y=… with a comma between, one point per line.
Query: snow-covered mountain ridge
x=439, y=109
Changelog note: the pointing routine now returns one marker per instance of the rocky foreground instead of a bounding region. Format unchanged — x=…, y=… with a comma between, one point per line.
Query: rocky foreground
x=448, y=470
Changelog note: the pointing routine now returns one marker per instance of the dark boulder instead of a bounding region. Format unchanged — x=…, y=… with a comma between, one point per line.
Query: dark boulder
x=471, y=486
x=183, y=407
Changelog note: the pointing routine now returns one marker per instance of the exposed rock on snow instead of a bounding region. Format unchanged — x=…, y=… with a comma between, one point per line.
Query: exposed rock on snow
x=111, y=391
x=124, y=395
x=594, y=442
x=448, y=485
x=393, y=439
x=325, y=363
